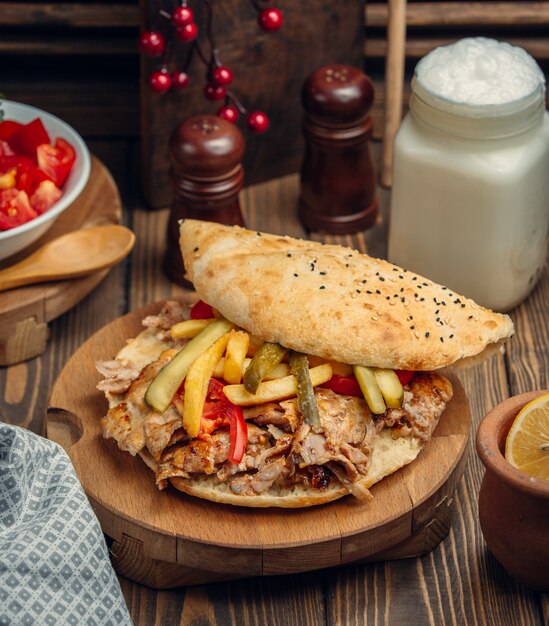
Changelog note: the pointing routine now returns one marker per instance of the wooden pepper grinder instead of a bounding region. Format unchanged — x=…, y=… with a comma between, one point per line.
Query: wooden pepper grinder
x=338, y=184
x=205, y=155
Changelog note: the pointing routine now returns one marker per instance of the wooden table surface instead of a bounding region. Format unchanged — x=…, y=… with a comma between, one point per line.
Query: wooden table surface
x=459, y=582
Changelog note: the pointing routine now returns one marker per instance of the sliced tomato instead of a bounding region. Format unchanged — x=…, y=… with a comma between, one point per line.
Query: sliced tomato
x=56, y=161
x=8, y=128
x=201, y=311
x=27, y=176
x=15, y=209
x=345, y=385
x=405, y=376
x=8, y=178
x=45, y=196
x=5, y=149
x=26, y=139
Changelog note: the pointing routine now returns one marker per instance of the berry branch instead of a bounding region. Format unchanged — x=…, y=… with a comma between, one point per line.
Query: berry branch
x=178, y=26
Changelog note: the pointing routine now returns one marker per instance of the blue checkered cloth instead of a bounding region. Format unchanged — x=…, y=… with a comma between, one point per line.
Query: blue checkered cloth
x=54, y=562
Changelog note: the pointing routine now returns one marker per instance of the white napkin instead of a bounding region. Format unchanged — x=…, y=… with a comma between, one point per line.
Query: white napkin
x=54, y=562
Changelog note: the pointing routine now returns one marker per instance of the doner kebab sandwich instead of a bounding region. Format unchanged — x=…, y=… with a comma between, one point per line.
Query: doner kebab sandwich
x=304, y=373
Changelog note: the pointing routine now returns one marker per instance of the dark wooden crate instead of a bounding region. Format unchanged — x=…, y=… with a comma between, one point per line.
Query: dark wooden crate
x=269, y=69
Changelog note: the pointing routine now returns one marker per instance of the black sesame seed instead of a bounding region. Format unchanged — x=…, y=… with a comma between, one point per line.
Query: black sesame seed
x=387, y=297
x=441, y=339
x=427, y=334
x=462, y=305
x=196, y=249
x=346, y=265
x=414, y=278
x=395, y=295
x=421, y=299
x=451, y=336
x=288, y=254
x=412, y=327
x=381, y=279
x=443, y=303
x=296, y=275
x=401, y=277
x=258, y=234
x=401, y=289
x=437, y=311
x=322, y=287
x=368, y=291
x=470, y=317
x=403, y=299
x=425, y=284
x=378, y=291
x=358, y=291
x=322, y=273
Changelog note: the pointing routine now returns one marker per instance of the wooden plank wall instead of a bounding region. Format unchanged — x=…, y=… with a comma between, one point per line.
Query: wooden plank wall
x=79, y=59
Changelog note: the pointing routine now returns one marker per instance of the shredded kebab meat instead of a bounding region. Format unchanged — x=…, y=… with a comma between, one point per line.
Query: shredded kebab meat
x=282, y=449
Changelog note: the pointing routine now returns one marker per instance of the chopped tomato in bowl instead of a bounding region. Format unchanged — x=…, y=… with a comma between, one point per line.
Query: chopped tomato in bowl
x=44, y=165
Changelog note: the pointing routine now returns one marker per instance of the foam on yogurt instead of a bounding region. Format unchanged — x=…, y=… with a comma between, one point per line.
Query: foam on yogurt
x=479, y=71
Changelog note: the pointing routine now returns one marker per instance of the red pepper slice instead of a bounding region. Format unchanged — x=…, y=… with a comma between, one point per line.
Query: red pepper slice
x=56, y=161
x=201, y=311
x=26, y=139
x=220, y=412
x=238, y=430
x=8, y=128
x=405, y=376
x=345, y=385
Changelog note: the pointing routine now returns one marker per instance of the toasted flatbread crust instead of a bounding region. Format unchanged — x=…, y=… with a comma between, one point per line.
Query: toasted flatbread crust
x=334, y=302
x=388, y=456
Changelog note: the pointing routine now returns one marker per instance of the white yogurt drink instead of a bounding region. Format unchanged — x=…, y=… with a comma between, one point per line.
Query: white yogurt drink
x=470, y=199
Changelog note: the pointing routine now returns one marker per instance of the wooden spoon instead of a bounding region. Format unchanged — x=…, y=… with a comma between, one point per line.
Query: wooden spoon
x=74, y=254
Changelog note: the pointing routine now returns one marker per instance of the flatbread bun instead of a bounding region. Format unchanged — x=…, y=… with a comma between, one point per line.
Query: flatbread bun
x=388, y=456
x=334, y=302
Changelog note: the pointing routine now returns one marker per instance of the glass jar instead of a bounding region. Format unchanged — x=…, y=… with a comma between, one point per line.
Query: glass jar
x=470, y=198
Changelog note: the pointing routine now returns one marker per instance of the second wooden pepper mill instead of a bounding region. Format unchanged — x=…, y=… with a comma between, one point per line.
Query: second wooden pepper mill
x=207, y=175
x=338, y=184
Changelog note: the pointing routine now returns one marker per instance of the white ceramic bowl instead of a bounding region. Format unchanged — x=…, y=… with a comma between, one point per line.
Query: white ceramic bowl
x=15, y=239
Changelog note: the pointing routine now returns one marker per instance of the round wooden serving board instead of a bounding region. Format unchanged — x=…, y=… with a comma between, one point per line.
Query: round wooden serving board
x=25, y=311
x=166, y=538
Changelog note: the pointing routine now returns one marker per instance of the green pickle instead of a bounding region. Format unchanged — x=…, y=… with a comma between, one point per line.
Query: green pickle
x=306, y=399
x=164, y=385
x=372, y=393
x=265, y=359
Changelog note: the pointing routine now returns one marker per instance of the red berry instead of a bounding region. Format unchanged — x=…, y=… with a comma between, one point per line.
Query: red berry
x=151, y=43
x=214, y=92
x=270, y=20
x=229, y=113
x=180, y=79
x=258, y=122
x=187, y=33
x=181, y=16
x=160, y=81
x=222, y=75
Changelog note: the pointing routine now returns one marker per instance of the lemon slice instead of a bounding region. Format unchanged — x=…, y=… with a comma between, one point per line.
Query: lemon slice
x=527, y=444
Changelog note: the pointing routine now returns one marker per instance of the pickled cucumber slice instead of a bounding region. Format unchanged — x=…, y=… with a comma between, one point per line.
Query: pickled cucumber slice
x=268, y=356
x=306, y=399
x=164, y=385
x=372, y=393
x=390, y=387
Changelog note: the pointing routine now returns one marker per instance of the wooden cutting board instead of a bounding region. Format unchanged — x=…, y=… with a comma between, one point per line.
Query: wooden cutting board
x=26, y=311
x=165, y=538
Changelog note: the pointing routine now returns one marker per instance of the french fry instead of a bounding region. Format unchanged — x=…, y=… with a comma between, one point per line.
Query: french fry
x=189, y=328
x=237, y=348
x=281, y=370
x=277, y=389
x=162, y=389
x=196, y=385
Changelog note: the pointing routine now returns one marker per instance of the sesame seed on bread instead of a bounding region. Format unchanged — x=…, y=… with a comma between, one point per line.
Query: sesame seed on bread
x=335, y=302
